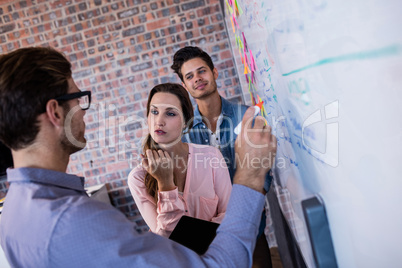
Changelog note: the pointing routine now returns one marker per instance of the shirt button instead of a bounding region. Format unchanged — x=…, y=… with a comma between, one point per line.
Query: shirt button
x=186, y=210
x=206, y=140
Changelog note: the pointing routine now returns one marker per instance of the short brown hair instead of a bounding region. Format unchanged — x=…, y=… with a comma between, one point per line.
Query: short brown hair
x=187, y=53
x=29, y=78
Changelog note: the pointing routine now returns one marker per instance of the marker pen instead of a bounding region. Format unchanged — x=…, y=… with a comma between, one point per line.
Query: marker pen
x=257, y=109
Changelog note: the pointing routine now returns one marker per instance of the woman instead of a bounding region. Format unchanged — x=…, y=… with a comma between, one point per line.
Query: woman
x=177, y=178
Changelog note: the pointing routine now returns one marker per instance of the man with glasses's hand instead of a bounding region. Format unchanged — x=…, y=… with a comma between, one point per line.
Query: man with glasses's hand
x=49, y=221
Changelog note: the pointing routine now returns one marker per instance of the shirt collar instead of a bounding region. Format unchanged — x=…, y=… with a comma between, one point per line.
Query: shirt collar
x=45, y=176
x=226, y=111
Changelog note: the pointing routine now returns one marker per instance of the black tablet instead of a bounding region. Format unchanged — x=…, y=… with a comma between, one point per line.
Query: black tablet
x=194, y=233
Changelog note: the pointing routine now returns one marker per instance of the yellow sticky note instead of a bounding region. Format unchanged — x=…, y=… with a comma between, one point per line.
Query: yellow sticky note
x=229, y=7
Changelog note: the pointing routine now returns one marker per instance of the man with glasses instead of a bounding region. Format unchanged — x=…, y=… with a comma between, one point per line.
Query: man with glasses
x=75, y=139
x=49, y=221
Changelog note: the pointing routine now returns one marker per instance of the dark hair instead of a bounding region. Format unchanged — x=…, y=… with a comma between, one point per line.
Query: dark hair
x=29, y=78
x=181, y=93
x=6, y=159
x=187, y=53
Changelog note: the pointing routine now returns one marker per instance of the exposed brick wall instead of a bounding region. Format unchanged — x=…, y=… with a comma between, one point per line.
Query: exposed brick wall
x=119, y=51
x=3, y=186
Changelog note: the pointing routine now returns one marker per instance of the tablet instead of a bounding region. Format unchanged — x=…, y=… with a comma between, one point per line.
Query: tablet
x=194, y=233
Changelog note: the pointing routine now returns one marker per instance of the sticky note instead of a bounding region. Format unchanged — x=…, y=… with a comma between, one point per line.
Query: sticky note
x=235, y=21
x=244, y=42
x=241, y=43
x=232, y=25
x=239, y=10
x=252, y=61
x=252, y=99
x=229, y=7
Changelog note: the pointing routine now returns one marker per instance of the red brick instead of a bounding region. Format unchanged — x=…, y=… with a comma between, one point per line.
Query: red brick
x=170, y=2
x=94, y=32
x=205, y=21
x=162, y=23
x=17, y=35
x=52, y=15
x=38, y=8
x=119, y=183
x=226, y=55
x=90, y=182
x=170, y=11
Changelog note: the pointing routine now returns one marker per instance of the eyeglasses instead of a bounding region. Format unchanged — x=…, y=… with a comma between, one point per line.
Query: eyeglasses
x=84, y=98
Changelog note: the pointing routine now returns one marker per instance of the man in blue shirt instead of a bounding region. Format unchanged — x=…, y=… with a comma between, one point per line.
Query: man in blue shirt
x=214, y=120
x=49, y=221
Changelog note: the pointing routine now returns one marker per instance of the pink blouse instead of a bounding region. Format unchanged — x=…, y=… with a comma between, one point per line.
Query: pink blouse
x=205, y=196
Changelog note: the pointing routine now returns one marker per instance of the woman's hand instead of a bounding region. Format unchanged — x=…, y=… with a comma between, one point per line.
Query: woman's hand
x=160, y=165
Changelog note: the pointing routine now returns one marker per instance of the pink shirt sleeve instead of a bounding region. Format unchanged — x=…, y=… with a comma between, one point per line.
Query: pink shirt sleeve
x=162, y=217
x=222, y=185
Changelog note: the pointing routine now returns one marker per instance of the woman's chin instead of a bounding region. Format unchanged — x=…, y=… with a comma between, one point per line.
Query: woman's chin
x=167, y=144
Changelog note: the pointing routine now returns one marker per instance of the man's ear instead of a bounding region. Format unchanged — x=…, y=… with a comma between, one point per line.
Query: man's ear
x=55, y=113
x=216, y=74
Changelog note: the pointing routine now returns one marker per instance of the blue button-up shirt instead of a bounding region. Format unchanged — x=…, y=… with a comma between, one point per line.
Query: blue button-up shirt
x=232, y=115
x=49, y=221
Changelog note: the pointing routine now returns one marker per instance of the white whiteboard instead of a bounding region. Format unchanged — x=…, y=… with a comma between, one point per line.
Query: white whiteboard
x=330, y=75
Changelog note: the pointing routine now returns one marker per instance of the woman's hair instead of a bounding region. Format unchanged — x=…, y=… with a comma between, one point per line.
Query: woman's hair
x=188, y=113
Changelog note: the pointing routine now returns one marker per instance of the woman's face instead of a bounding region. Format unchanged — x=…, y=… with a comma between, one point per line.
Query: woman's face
x=165, y=119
